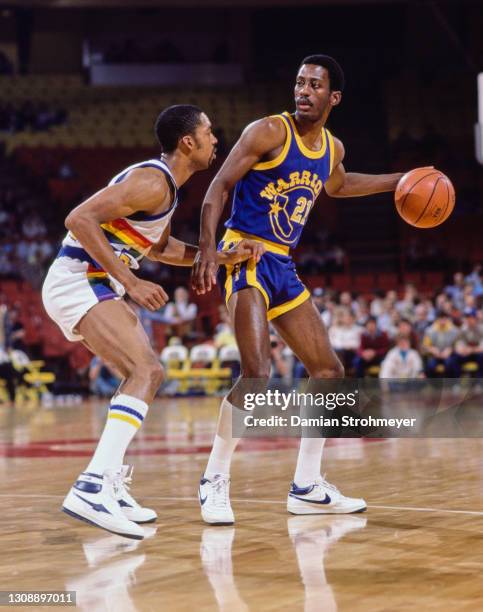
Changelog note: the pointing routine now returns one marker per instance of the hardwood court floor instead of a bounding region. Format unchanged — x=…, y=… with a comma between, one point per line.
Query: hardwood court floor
x=418, y=547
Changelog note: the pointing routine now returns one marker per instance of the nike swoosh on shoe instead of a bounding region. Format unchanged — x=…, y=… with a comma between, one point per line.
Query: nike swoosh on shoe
x=97, y=507
x=325, y=501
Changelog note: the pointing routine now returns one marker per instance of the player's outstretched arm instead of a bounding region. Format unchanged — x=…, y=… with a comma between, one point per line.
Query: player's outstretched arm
x=174, y=252
x=144, y=189
x=257, y=140
x=170, y=250
x=342, y=184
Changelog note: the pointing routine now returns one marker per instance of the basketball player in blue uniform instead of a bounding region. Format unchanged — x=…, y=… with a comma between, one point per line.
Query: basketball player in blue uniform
x=277, y=169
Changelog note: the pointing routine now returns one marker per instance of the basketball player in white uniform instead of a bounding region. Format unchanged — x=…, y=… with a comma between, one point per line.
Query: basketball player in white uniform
x=108, y=235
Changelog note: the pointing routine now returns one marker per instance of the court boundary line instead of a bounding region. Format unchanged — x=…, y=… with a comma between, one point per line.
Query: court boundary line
x=262, y=501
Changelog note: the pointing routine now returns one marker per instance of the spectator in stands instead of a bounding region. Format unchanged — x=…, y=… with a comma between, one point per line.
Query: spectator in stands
x=102, y=380
x=469, y=298
x=345, y=336
x=421, y=322
x=389, y=322
x=345, y=300
x=15, y=331
x=402, y=361
x=362, y=311
x=391, y=298
x=476, y=279
x=438, y=344
x=224, y=335
x=405, y=328
x=318, y=299
x=455, y=291
x=377, y=304
x=180, y=314
x=328, y=313
x=34, y=227
x=406, y=305
x=11, y=376
x=469, y=345
x=374, y=344
x=282, y=360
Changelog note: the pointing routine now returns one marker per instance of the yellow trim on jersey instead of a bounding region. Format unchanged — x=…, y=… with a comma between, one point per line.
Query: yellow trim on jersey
x=126, y=418
x=273, y=163
x=253, y=281
x=303, y=149
x=232, y=235
x=290, y=305
x=228, y=283
x=331, y=150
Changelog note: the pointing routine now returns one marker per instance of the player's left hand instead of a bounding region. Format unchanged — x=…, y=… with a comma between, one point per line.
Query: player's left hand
x=245, y=249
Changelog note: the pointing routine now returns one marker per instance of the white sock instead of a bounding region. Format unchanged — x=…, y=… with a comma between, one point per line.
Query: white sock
x=224, y=445
x=308, y=461
x=126, y=415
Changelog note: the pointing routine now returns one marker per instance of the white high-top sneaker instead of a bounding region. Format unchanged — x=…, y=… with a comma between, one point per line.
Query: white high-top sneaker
x=214, y=496
x=321, y=497
x=93, y=499
x=131, y=509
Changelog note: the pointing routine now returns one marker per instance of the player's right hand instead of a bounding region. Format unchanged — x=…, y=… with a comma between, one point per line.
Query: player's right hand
x=205, y=267
x=147, y=294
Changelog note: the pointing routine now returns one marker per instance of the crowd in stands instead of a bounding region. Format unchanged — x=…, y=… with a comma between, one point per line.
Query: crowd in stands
x=410, y=336
x=13, y=359
x=388, y=335
x=32, y=116
x=29, y=226
x=414, y=335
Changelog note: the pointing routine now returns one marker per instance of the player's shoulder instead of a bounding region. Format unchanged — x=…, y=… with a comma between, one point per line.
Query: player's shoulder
x=147, y=178
x=270, y=130
x=339, y=150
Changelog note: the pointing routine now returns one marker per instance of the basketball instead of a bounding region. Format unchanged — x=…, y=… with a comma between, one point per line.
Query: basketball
x=425, y=197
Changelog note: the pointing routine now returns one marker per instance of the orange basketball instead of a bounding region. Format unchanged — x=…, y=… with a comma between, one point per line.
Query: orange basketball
x=424, y=197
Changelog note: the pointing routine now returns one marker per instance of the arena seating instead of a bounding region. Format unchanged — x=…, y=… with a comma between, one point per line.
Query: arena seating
x=114, y=116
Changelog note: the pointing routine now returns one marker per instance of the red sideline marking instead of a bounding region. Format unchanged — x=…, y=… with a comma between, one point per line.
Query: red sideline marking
x=49, y=448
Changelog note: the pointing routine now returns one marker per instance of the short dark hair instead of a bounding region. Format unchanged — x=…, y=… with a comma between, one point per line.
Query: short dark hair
x=336, y=74
x=175, y=122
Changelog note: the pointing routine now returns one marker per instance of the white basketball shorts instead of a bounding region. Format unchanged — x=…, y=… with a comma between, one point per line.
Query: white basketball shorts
x=71, y=288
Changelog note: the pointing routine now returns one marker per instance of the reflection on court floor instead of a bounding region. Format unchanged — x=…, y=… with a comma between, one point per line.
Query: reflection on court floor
x=419, y=546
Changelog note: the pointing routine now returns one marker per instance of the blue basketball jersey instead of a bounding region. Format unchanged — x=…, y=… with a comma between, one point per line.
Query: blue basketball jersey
x=274, y=199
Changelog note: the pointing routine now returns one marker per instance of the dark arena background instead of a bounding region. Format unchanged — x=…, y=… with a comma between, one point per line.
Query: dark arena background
x=81, y=85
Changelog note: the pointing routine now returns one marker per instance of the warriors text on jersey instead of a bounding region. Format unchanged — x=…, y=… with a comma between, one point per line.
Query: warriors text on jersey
x=274, y=199
x=272, y=203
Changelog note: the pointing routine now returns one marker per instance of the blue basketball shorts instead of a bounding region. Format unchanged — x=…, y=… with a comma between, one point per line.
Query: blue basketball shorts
x=275, y=276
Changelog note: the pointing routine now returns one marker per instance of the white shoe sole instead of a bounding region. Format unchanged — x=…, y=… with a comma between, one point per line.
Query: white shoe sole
x=297, y=506
x=210, y=520
x=76, y=511
x=140, y=521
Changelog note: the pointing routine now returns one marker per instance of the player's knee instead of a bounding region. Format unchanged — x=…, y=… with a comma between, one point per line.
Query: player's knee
x=156, y=374
x=333, y=370
x=256, y=370
x=149, y=370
